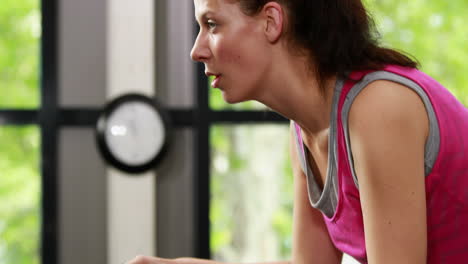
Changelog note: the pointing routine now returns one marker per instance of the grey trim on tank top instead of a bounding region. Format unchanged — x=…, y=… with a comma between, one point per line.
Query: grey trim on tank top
x=327, y=200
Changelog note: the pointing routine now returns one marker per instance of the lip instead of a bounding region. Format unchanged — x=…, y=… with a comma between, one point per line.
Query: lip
x=215, y=82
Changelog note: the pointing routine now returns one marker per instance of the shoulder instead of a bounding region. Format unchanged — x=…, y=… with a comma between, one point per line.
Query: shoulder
x=388, y=129
x=387, y=106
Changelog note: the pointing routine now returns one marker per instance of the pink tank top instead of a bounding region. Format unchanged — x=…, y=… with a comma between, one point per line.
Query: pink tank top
x=446, y=180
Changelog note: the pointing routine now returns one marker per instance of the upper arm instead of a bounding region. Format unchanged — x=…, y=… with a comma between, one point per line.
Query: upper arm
x=388, y=127
x=311, y=242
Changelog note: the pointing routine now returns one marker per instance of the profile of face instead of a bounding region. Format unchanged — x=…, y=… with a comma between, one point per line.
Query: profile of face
x=233, y=47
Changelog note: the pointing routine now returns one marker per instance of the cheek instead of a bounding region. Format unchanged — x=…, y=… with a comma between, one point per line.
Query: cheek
x=228, y=54
x=240, y=58
x=239, y=48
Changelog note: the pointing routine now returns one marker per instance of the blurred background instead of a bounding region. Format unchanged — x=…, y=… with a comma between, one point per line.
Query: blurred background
x=56, y=210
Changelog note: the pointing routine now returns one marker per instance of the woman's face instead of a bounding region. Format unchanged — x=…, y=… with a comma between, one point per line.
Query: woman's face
x=233, y=48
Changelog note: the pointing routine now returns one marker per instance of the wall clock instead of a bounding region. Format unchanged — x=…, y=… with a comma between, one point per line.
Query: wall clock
x=132, y=133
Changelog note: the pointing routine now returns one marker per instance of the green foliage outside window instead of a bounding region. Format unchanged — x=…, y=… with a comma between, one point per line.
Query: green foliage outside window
x=251, y=191
x=19, y=195
x=434, y=32
x=19, y=53
x=19, y=146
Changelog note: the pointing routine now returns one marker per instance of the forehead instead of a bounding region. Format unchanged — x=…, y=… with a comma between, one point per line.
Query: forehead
x=202, y=7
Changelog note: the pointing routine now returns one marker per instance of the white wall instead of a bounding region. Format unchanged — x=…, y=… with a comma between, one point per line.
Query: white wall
x=106, y=48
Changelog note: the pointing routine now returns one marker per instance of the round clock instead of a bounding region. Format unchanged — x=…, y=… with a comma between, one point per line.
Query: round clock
x=132, y=133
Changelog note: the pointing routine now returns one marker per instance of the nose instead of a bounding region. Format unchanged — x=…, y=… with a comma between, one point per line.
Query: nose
x=200, y=50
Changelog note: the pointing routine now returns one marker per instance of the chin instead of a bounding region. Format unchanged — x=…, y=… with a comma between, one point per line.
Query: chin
x=234, y=93
x=230, y=99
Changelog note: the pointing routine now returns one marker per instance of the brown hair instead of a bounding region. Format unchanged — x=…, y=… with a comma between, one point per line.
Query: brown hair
x=339, y=35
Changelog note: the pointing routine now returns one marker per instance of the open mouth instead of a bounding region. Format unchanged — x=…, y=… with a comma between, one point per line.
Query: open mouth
x=216, y=78
x=215, y=81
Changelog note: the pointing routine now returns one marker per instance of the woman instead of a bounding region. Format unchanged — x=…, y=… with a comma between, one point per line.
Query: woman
x=378, y=147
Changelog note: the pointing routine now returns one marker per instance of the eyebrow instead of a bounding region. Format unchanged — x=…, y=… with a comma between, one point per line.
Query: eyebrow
x=204, y=15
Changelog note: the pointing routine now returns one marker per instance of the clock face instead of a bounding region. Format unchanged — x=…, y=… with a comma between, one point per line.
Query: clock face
x=132, y=133
x=135, y=133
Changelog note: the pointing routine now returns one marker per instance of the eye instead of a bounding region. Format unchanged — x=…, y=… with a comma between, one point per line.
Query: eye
x=211, y=25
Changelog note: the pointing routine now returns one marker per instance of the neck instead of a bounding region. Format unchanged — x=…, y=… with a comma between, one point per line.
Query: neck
x=294, y=91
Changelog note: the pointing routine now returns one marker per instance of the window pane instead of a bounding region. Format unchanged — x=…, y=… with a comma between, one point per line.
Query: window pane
x=251, y=195
x=20, y=31
x=20, y=195
x=434, y=32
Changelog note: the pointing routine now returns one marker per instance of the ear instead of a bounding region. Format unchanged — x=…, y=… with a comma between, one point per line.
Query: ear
x=274, y=17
